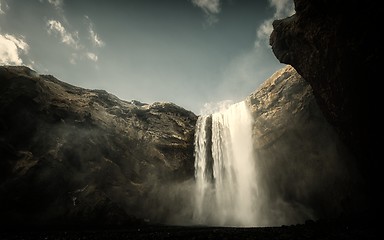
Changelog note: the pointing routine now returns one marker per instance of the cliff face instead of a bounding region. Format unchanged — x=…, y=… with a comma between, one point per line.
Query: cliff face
x=304, y=168
x=72, y=156
x=69, y=155
x=332, y=45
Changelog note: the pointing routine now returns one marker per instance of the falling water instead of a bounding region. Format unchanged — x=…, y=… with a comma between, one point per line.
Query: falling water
x=226, y=189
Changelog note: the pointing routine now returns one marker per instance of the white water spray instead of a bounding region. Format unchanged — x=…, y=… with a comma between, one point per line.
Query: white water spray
x=226, y=183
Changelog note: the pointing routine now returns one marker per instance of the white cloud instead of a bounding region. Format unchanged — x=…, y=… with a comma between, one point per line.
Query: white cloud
x=56, y=3
x=10, y=49
x=73, y=59
x=263, y=32
x=58, y=7
x=3, y=7
x=84, y=48
x=80, y=56
x=83, y=51
x=92, y=56
x=94, y=37
x=71, y=39
x=283, y=8
x=210, y=7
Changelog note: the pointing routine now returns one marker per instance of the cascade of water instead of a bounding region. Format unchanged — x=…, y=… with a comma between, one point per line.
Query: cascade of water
x=201, y=177
x=226, y=186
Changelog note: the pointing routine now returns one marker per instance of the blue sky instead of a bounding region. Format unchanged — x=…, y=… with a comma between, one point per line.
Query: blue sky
x=189, y=52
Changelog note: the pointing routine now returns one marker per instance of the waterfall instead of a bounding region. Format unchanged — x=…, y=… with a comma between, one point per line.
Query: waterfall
x=225, y=174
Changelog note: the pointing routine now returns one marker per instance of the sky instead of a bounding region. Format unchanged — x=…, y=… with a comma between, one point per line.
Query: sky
x=188, y=52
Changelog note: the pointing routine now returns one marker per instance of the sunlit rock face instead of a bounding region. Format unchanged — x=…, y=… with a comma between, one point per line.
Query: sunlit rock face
x=70, y=155
x=303, y=168
x=333, y=45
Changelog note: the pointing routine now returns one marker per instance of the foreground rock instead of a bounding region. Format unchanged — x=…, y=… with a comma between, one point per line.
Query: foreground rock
x=332, y=44
x=72, y=156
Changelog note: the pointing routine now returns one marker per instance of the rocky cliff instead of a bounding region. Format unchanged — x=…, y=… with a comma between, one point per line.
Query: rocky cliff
x=305, y=170
x=332, y=44
x=73, y=156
